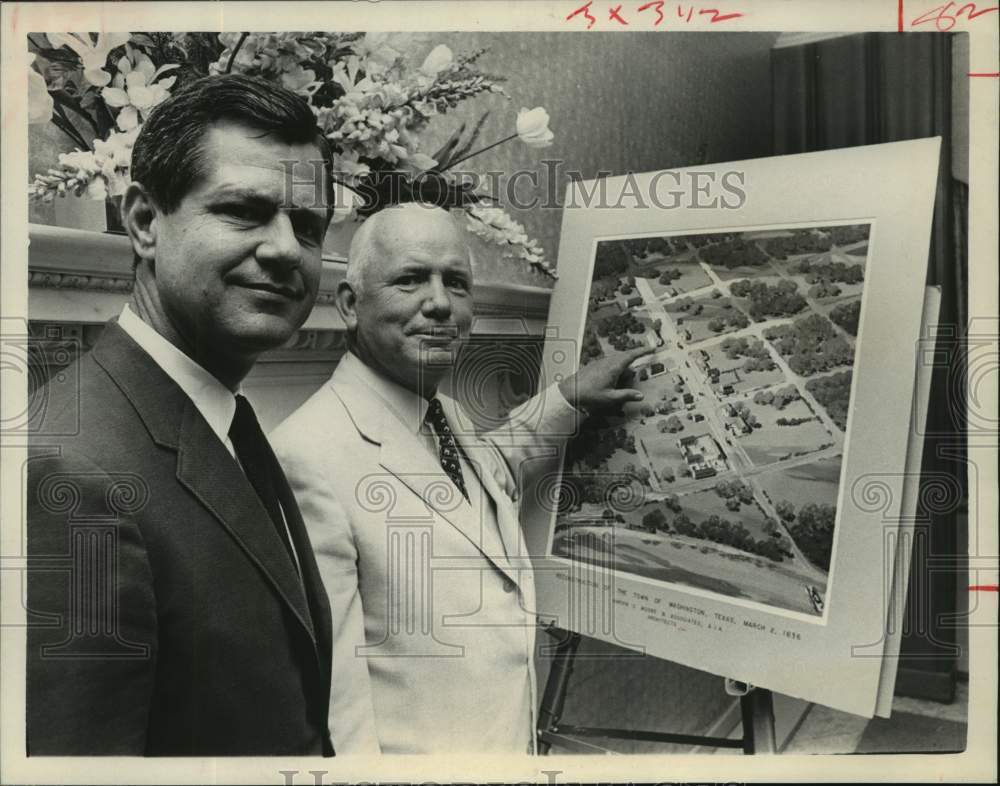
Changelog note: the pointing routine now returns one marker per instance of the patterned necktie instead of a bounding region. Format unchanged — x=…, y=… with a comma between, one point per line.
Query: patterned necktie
x=256, y=458
x=448, y=450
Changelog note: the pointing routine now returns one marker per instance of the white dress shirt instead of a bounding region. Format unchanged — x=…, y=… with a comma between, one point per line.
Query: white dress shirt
x=215, y=402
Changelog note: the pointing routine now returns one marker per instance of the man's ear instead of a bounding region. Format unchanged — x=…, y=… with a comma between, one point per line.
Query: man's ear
x=347, y=302
x=139, y=213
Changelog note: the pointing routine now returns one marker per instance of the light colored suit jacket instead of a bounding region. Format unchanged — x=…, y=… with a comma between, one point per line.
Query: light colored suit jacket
x=432, y=601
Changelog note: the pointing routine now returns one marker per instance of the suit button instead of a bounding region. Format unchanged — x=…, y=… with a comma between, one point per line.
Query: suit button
x=508, y=585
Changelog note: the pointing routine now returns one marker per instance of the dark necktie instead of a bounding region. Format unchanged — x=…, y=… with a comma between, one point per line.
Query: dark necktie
x=448, y=450
x=258, y=461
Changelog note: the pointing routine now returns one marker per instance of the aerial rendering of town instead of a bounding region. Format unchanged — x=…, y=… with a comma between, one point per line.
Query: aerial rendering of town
x=737, y=445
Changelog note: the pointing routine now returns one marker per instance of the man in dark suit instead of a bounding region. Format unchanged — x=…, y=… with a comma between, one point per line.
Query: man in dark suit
x=193, y=620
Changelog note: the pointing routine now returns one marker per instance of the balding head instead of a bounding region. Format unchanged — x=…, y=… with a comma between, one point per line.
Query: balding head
x=407, y=295
x=390, y=230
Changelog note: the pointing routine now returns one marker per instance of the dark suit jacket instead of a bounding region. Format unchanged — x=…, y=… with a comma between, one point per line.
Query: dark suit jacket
x=165, y=616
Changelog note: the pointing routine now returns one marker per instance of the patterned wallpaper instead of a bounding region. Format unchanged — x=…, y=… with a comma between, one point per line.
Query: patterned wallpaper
x=617, y=102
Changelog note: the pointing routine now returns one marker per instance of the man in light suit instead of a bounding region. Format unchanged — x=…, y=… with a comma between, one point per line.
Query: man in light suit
x=192, y=620
x=391, y=482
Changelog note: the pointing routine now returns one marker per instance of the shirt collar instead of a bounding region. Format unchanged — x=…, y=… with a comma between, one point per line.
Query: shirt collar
x=215, y=402
x=409, y=408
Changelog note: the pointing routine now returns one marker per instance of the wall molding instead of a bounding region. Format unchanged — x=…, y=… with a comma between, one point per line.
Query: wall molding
x=82, y=276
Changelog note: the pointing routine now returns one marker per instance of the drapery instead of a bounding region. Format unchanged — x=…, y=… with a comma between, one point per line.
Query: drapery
x=874, y=88
x=868, y=89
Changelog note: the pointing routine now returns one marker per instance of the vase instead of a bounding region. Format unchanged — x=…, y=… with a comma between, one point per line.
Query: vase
x=77, y=212
x=82, y=212
x=113, y=216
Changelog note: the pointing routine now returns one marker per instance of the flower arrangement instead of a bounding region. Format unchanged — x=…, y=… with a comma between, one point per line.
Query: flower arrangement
x=371, y=97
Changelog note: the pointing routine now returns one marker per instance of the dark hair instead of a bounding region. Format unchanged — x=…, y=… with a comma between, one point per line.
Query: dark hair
x=167, y=156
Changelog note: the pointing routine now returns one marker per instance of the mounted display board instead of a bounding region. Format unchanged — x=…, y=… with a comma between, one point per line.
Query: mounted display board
x=743, y=518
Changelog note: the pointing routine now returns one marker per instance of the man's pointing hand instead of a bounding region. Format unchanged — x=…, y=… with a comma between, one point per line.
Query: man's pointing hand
x=594, y=385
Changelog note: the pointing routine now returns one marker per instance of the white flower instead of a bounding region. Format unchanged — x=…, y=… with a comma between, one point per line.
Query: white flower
x=114, y=155
x=93, y=56
x=533, y=127
x=389, y=95
x=97, y=189
x=437, y=60
x=347, y=166
x=246, y=56
x=39, y=101
x=229, y=40
x=136, y=90
x=496, y=226
x=345, y=72
x=271, y=54
x=380, y=48
x=83, y=161
x=300, y=80
x=105, y=169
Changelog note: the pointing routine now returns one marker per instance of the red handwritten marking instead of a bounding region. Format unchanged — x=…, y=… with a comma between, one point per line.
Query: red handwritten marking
x=659, y=10
x=899, y=17
x=717, y=17
x=944, y=19
x=615, y=14
x=984, y=588
x=585, y=10
x=994, y=74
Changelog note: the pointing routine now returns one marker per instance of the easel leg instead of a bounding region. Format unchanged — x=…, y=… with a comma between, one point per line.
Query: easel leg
x=757, y=710
x=555, y=687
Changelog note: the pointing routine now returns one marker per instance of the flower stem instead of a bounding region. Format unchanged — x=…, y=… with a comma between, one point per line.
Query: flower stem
x=77, y=109
x=481, y=150
x=73, y=137
x=232, y=57
x=63, y=124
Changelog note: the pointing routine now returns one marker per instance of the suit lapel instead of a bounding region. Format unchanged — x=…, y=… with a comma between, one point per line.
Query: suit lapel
x=209, y=472
x=413, y=465
x=204, y=466
x=480, y=455
x=319, y=604
x=403, y=455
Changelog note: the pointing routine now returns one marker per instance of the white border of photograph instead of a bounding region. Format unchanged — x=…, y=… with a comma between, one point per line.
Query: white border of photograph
x=809, y=18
